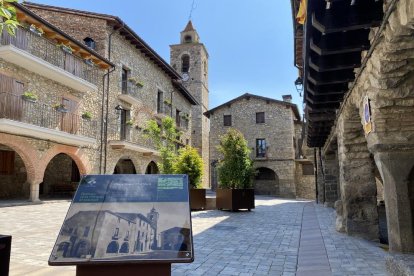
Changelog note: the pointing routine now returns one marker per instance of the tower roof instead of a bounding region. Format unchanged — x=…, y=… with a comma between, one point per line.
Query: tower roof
x=189, y=27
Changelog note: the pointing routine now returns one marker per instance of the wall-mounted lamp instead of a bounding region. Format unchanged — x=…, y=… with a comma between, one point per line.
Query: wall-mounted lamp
x=299, y=85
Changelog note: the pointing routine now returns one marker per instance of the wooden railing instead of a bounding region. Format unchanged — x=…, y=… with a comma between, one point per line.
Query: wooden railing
x=15, y=108
x=47, y=50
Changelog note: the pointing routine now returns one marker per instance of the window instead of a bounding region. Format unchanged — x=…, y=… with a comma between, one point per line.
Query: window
x=124, y=79
x=177, y=118
x=188, y=39
x=260, y=117
x=307, y=169
x=86, y=231
x=90, y=43
x=160, y=102
x=6, y=162
x=185, y=63
x=260, y=147
x=227, y=120
x=116, y=233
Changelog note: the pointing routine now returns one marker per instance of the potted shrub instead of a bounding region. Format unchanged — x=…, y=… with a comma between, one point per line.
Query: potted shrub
x=87, y=115
x=189, y=162
x=167, y=102
x=235, y=172
x=130, y=122
x=30, y=96
x=89, y=62
x=139, y=84
x=60, y=108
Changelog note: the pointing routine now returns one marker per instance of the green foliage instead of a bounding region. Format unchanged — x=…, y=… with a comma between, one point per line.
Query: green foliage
x=8, y=14
x=164, y=137
x=235, y=170
x=130, y=122
x=189, y=162
x=30, y=95
x=87, y=115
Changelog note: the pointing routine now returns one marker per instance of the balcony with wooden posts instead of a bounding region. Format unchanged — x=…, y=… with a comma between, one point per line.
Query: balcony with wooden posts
x=30, y=50
x=124, y=136
x=43, y=121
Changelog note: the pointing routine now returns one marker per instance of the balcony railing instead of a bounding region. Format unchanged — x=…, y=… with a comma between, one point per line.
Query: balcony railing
x=15, y=108
x=45, y=49
x=129, y=88
x=123, y=132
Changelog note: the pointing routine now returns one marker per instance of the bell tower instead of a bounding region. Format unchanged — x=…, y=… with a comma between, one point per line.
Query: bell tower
x=190, y=59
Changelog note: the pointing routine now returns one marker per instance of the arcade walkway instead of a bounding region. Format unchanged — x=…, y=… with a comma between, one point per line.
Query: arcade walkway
x=279, y=237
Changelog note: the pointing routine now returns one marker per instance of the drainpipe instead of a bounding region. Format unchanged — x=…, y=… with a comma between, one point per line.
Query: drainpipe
x=316, y=175
x=107, y=99
x=323, y=175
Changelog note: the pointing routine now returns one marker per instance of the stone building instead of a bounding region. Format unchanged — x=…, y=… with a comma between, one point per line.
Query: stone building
x=272, y=129
x=359, y=88
x=50, y=109
x=142, y=86
x=190, y=58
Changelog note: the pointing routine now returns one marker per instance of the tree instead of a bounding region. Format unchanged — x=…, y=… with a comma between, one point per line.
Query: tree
x=235, y=169
x=9, y=17
x=189, y=162
x=164, y=137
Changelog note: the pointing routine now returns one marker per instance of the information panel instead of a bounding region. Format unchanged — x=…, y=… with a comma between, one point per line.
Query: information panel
x=126, y=218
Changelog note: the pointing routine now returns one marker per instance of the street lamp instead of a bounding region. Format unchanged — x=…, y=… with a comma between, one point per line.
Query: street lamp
x=299, y=85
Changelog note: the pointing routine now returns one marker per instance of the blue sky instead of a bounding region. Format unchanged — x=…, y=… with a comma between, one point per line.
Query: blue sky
x=250, y=42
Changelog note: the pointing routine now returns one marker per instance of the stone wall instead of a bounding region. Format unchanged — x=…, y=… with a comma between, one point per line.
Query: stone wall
x=305, y=184
x=278, y=130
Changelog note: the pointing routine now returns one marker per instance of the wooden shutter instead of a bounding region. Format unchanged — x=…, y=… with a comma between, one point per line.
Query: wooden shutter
x=11, y=103
x=6, y=162
x=70, y=119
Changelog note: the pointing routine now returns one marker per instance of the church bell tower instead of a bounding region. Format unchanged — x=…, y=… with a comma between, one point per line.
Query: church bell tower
x=190, y=59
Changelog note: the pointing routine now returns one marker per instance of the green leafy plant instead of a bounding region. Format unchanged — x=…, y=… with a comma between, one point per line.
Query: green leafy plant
x=65, y=47
x=235, y=169
x=33, y=28
x=29, y=95
x=9, y=16
x=167, y=102
x=87, y=115
x=164, y=137
x=189, y=162
x=130, y=122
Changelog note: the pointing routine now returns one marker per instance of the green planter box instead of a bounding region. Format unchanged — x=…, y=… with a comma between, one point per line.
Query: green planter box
x=235, y=199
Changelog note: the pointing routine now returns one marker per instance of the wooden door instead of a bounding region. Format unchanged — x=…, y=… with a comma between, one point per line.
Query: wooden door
x=11, y=103
x=70, y=119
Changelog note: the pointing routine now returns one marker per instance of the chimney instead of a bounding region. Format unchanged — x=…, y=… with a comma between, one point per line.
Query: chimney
x=287, y=98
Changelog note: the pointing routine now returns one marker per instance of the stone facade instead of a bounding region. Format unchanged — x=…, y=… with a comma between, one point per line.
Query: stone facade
x=377, y=165
x=24, y=123
x=197, y=84
x=276, y=165
x=139, y=103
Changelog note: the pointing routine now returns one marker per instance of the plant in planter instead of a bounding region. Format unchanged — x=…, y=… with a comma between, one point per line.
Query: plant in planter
x=235, y=172
x=65, y=48
x=130, y=122
x=89, y=62
x=60, y=108
x=36, y=30
x=87, y=115
x=164, y=137
x=167, y=102
x=189, y=162
x=139, y=84
x=30, y=96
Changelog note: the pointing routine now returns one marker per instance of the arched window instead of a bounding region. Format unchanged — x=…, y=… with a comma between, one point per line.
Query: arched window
x=188, y=39
x=90, y=43
x=124, y=248
x=112, y=247
x=185, y=63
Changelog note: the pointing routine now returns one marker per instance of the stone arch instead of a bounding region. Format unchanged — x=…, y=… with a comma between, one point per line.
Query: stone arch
x=266, y=182
x=129, y=166
x=26, y=152
x=73, y=152
x=152, y=168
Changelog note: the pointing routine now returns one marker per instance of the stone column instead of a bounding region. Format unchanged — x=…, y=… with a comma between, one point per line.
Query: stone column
x=357, y=182
x=395, y=168
x=331, y=170
x=34, y=191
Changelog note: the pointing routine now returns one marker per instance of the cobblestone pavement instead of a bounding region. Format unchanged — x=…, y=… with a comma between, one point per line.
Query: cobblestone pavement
x=262, y=242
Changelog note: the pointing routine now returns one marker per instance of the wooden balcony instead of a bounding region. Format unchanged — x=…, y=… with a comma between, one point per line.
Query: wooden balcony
x=42, y=56
x=42, y=121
